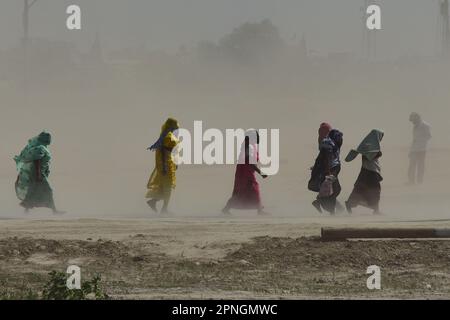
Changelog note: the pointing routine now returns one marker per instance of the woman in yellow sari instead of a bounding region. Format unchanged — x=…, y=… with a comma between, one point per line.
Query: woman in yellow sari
x=163, y=179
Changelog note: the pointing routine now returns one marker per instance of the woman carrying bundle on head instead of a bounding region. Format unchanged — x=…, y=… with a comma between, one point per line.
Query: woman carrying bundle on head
x=163, y=179
x=323, y=131
x=367, y=188
x=325, y=173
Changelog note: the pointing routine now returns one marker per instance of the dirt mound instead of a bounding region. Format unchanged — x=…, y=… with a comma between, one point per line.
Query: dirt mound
x=310, y=266
x=25, y=247
x=313, y=253
x=264, y=267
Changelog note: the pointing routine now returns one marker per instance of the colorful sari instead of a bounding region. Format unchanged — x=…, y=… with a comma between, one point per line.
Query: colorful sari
x=246, y=193
x=33, y=166
x=163, y=178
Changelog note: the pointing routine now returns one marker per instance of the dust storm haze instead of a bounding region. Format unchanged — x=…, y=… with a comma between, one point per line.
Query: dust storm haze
x=104, y=92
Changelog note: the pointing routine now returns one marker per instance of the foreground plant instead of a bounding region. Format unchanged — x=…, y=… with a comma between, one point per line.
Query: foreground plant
x=56, y=289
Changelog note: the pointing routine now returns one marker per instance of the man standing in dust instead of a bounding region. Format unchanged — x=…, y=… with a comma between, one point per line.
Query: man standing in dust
x=417, y=154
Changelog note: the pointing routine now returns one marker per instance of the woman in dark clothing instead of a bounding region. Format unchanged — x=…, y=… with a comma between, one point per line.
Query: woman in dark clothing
x=326, y=171
x=323, y=131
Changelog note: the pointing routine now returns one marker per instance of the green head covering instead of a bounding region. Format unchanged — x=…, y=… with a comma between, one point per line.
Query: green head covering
x=44, y=138
x=369, y=147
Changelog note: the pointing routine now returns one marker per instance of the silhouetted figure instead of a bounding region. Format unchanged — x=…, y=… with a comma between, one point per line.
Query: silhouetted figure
x=417, y=154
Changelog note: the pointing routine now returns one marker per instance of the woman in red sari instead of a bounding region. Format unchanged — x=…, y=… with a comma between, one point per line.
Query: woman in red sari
x=246, y=193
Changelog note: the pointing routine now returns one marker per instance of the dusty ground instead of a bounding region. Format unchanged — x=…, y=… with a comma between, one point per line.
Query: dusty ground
x=217, y=258
x=101, y=128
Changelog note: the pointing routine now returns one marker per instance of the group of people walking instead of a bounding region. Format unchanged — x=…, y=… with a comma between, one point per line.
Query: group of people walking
x=246, y=193
x=367, y=188
x=33, y=166
x=325, y=172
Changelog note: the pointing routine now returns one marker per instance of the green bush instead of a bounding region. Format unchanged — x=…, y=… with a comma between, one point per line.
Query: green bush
x=56, y=289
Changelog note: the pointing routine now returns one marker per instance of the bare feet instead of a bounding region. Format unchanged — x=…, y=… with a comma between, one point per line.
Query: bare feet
x=226, y=211
x=261, y=212
x=152, y=204
x=316, y=205
x=339, y=207
x=348, y=207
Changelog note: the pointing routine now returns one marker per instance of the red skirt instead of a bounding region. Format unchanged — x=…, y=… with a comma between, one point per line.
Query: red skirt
x=246, y=193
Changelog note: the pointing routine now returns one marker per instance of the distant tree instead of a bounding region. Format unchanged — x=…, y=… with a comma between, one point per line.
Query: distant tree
x=208, y=51
x=250, y=43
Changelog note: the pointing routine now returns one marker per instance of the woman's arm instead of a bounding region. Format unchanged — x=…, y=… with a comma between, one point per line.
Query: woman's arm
x=169, y=143
x=255, y=167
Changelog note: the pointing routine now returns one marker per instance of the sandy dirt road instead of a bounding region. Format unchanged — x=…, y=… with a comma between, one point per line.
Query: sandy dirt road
x=240, y=257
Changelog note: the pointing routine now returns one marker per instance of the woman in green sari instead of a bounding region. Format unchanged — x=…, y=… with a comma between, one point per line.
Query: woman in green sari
x=33, y=166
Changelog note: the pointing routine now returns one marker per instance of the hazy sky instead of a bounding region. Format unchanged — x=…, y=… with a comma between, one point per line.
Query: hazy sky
x=409, y=26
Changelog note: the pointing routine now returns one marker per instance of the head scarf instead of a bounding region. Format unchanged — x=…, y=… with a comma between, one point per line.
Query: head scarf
x=337, y=137
x=415, y=118
x=35, y=149
x=169, y=126
x=369, y=147
x=251, y=141
x=253, y=136
x=44, y=138
x=324, y=130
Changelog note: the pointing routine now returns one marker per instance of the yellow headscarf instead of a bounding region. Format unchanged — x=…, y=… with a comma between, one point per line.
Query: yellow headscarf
x=170, y=125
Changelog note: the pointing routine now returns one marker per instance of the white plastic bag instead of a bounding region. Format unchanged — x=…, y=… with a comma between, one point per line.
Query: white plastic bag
x=326, y=188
